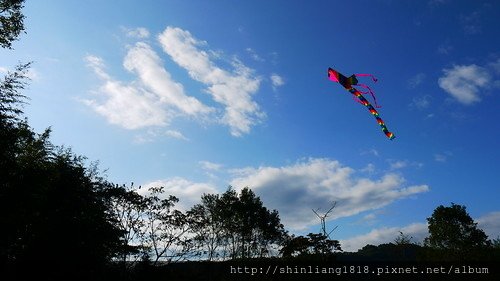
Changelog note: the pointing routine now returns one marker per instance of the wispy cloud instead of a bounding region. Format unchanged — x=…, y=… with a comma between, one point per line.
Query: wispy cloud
x=296, y=189
x=210, y=166
x=176, y=135
x=253, y=54
x=416, y=80
x=445, y=49
x=442, y=157
x=421, y=102
x=277, y=81
x=400, y=164
x=233, y=89
x=464, y=82
x=126, y=105
x=138, y=33
x=154, y=98
x=147, y=65
x=471, y=23
x=372, y=151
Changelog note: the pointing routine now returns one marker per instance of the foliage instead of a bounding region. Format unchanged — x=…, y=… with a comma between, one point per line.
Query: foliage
x=11, y=98
x=313, y=244
x=11, y=21
x=127, y=207
x=403, y=239
x=51, y=206
x=452, y=228
x=235, y=226
x=165, y=228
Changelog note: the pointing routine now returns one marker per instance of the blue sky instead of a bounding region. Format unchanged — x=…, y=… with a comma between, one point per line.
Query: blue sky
x=200, y=95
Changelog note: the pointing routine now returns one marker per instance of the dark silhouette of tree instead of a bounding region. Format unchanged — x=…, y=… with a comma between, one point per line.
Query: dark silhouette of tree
x=207, y=226
x=53, y=208
x=11, y=98
x=312, y=244
x=128, y=207
x=495, y=243
x=233, y=225
x=403, y=239
x=452, y=228
x=11, y=21
x=165, y=228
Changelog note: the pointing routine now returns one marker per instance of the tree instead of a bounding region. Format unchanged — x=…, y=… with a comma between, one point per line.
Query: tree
x=165, y=228
x=233, y=225
x=207, y=226
x=128, y=207
x=452, y=228
x=312, y=244
x=403, y=239
x=11, y=21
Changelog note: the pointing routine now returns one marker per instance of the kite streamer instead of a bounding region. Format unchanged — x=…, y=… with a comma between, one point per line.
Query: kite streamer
x=348, y=82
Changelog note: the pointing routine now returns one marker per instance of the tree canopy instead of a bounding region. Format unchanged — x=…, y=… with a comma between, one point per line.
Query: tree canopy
x=452, y=228
x=11, y=21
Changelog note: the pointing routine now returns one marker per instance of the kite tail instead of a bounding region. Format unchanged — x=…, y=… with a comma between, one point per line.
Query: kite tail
x=373, y=111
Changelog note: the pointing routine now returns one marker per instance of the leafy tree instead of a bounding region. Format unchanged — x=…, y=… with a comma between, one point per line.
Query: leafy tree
x=11, y=21
x=128, y=207
x=403, y=239
x=312, y=244
x=207, y=226
x=233, y=225
x=52, y=206
x=11, y=98
x=165, y=229
x=452, y=228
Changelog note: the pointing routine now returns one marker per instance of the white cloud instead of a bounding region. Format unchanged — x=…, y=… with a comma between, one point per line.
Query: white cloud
x=126, y=105
x=154, y=100
x=189, y=193
x=277, y=81
x=176, y=135
x=490, y=223
x=418, y=231
x=464, y=82
x=144, y=62
x=398, y=164
x=315, y=183
x=254, y=55
x=233, y=89
x=209, y=166
x=139, y=32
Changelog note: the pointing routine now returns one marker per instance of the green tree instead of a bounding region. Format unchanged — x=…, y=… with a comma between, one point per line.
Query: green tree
x=452, y=228
x=11, y=21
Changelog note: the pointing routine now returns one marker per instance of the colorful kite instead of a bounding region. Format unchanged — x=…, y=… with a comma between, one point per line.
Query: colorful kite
x=348, y=82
